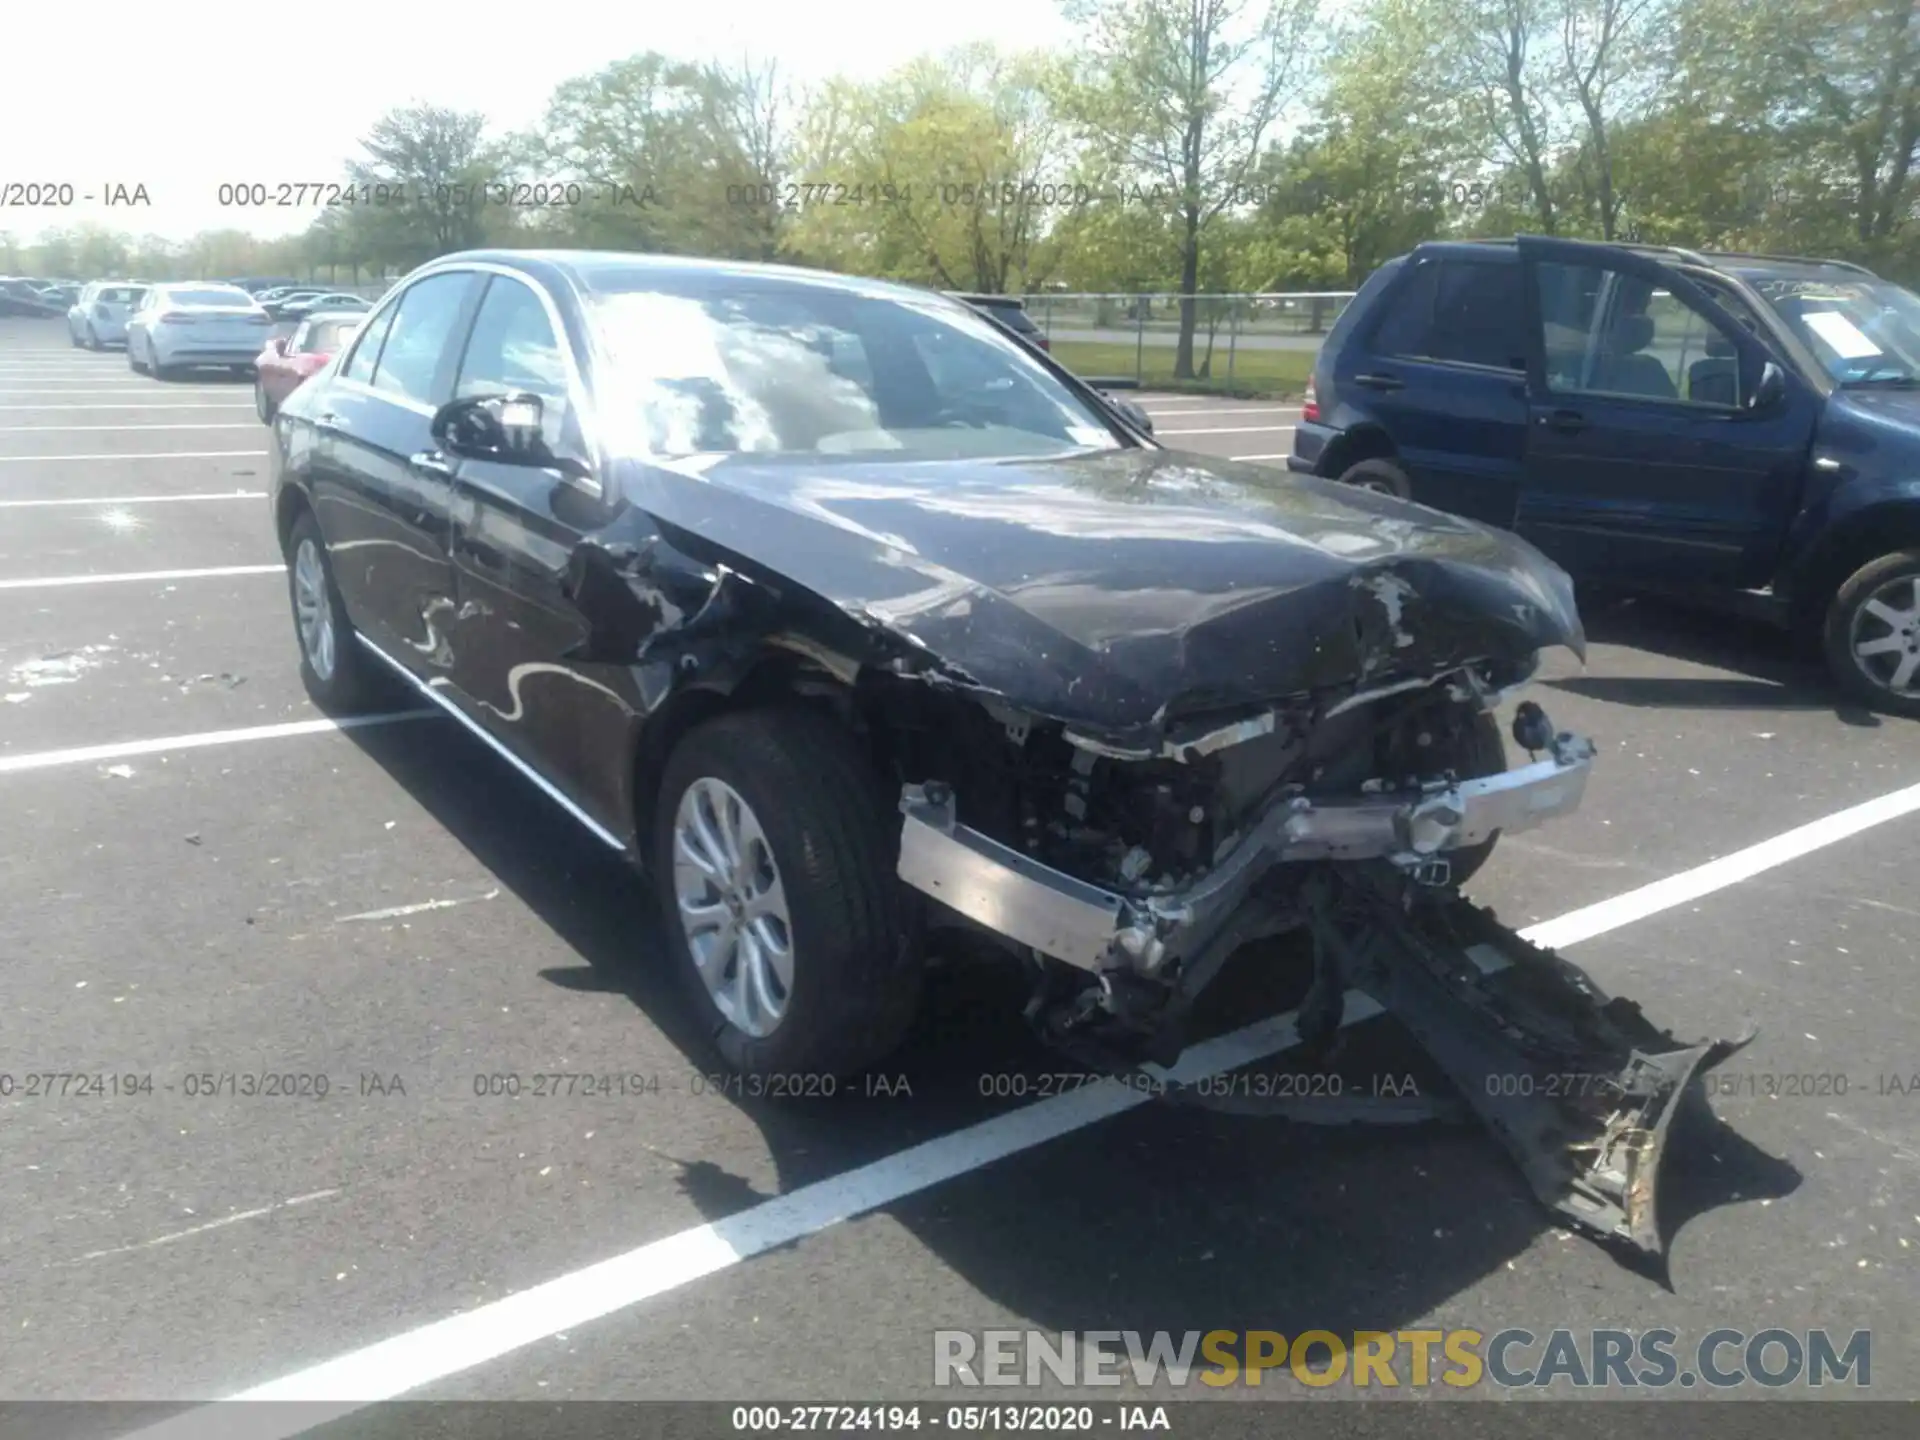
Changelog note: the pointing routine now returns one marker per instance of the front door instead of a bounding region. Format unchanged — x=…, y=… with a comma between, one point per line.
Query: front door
x=382, y=488
x=520, y=636
x=1645, y=460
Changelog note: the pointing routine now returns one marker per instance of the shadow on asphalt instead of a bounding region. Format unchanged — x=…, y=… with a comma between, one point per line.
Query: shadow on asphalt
x=1770, y=669
x=1168, y=1218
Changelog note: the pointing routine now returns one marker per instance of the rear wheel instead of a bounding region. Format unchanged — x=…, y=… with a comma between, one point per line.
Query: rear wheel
x=262, y=406
x=774, y=855
x=337, y=672
x=133, y=360
x=154, y=367
x=1872, y=634
x=1379, y=475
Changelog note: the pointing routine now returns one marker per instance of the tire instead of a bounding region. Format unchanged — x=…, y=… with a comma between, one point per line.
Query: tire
x=339, y=675
x=262, y=406
x=1482, y=752
x=1891, y=585
x=132, y=362
x=852, y=932
x=154, y=367
x=93, y=339
x=1381, y=475
x=73, y=339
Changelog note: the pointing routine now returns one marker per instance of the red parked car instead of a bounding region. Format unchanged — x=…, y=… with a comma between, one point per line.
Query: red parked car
x=288, y=362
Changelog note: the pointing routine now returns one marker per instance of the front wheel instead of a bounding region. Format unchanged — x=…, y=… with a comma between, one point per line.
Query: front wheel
x=1872, y=634
x=774, y=855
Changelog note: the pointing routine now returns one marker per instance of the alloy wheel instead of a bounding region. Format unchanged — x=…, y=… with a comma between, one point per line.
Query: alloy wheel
x=313, y=608
x=1884, y=635
x=732, y=907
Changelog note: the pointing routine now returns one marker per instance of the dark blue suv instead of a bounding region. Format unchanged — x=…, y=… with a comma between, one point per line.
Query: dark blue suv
x=1743, y=429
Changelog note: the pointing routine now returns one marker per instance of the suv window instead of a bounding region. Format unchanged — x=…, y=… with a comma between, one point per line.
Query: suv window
x=417, y=339
x=512, y=349
x=1648, y=343
x=1467, y=312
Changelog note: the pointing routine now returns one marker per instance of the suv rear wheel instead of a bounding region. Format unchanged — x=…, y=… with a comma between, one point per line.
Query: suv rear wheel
x=774, y=857
x=1872, y=634
x=1381, y=475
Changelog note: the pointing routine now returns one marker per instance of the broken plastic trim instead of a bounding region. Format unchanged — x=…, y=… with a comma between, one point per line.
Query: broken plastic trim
x=1581, y=1090
x=1087, y=926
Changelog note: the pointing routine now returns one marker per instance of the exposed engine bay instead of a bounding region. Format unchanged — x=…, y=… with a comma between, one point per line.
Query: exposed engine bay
x=1126, y=879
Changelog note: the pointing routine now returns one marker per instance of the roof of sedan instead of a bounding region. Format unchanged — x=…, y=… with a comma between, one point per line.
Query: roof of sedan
x=582, y=267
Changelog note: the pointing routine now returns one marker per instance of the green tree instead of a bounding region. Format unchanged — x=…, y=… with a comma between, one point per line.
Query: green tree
x=1179, y=95
x=937, y=174
x=1368, y=179
x=1835, y=85
x=672, y=157
x=432, y=165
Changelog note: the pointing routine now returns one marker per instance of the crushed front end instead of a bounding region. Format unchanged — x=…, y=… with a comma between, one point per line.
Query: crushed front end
x=1127, y=876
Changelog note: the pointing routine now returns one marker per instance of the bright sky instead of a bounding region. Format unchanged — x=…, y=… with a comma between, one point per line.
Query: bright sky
x=215, y=91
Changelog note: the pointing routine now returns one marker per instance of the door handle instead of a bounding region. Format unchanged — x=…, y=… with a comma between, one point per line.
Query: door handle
x=1567, y=420
x=432, y=462
x=1380, y=382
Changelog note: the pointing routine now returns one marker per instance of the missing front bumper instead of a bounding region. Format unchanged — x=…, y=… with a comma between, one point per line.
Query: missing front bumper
x=1091, y=928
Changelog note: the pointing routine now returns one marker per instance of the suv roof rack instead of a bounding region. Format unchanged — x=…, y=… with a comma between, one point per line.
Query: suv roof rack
x=1709, y=259
x=1791, y=260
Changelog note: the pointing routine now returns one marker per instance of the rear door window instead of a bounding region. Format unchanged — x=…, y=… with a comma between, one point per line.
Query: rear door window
x=1461, y=312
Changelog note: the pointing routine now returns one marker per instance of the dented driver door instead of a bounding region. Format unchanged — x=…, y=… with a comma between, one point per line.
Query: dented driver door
x=519, y=636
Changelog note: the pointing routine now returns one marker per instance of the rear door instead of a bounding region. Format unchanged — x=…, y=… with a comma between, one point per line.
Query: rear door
x=383, y=502
x=1443, y=370
x=515, y=530
x=1645, y=461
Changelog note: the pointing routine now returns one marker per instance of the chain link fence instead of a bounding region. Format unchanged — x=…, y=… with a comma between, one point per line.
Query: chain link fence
x=1259, y=343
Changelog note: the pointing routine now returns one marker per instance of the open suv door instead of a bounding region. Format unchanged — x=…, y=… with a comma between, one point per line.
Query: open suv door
x=1665, y=443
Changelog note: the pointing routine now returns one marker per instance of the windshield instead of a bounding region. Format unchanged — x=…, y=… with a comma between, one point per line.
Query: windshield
x=1866, y=332
x=724, y=365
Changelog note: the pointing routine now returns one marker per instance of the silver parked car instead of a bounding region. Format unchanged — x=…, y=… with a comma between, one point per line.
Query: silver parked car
x=186, y=324
x=99, y=316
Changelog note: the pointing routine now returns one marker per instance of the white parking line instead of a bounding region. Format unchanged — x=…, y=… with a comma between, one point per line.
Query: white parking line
x=170, y=744
x=78, y=388
x=1230, y=430
x=41, y=582
x=137, y=499
x=145, y=455
x=95, y=429
x=446, y=1347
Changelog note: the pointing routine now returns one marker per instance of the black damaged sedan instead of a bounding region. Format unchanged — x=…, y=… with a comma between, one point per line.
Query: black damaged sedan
x=848, y=618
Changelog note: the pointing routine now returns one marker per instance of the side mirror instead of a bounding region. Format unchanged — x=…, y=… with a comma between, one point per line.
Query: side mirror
x=505, y=429
x=1136, y=417
x=1770, y=391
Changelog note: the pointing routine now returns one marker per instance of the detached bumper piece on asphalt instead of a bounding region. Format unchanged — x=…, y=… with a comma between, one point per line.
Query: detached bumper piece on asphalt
x=1581, y=1090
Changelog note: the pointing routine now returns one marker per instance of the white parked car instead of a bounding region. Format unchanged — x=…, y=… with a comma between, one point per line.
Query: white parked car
x=99, y=316
x=187, y=323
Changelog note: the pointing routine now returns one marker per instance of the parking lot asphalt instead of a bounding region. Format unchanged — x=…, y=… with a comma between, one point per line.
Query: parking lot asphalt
x=203, y=879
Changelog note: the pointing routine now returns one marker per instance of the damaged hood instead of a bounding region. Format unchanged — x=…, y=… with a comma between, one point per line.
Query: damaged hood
x=1121, y=590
